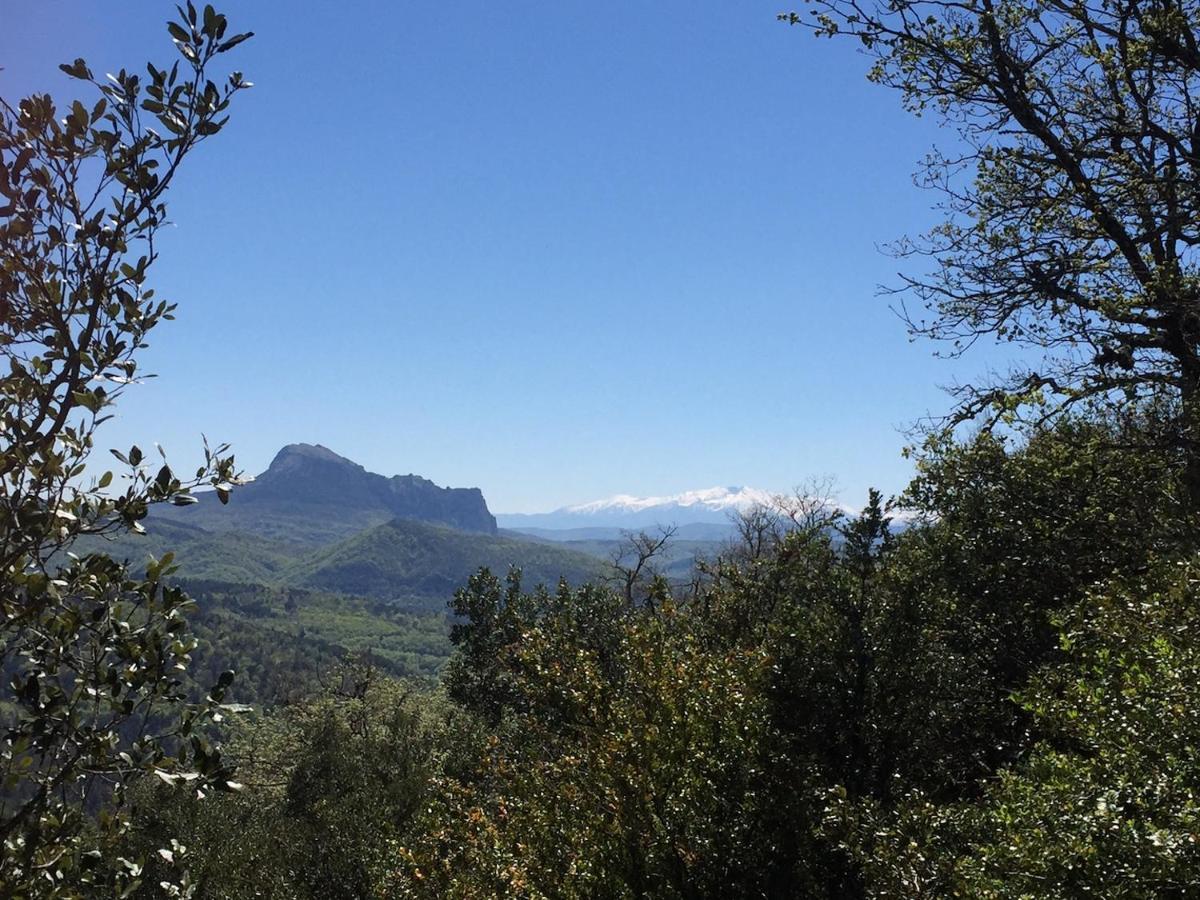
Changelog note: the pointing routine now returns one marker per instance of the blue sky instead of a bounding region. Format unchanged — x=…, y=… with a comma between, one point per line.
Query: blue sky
x=556, y=250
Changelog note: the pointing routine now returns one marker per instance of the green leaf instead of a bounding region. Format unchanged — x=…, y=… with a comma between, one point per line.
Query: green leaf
x=77, y=69
x=89, y=400
x=234, y=41
x=23, y=157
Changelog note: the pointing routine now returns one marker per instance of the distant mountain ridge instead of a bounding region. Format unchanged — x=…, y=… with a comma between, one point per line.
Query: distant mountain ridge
x=316, y=520
x=712, y=506
x=693, y=531
x=312, y=495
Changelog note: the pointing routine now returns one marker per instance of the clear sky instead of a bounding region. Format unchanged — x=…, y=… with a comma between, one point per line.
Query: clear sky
x=557, y=250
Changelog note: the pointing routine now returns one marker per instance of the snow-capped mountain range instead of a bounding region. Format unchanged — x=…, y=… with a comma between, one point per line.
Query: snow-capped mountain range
x=707, y=506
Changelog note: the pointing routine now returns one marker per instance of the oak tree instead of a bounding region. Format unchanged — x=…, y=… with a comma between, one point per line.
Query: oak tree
x=92, y=653
x=1072, y=196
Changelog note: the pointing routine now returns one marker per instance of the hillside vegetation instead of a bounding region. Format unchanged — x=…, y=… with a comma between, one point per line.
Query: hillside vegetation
x=284, y=643
x=414, y=562
x=411, y=563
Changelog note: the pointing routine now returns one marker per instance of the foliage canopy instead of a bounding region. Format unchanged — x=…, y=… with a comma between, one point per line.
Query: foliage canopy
x=1072, y=198
x=91, y=653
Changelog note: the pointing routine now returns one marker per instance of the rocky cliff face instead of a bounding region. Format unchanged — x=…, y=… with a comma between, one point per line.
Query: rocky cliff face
x=317, y=474
x=414, y=497
x=312, y=495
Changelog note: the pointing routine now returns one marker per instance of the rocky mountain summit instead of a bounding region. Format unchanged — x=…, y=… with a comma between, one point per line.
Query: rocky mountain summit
x=309, y=494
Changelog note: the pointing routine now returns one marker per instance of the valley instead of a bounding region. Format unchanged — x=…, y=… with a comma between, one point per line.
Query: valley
x=317, y=558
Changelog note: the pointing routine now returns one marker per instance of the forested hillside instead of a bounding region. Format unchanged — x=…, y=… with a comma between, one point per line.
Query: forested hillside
x=415, y=562
x=409, y=562
x=284, y=643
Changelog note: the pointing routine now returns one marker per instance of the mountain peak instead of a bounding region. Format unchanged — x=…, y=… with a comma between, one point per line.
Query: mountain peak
x=310, y=452
x=312, y=494
x=712, y=505
x=715, y=499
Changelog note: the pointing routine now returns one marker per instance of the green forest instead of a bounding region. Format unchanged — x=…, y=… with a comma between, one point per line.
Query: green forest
x=987, y=686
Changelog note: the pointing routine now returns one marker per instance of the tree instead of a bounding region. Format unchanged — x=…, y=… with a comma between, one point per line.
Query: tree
x=757, y=532
x=634, y=567
x=1073, y=200
x=1104, y=805
x=92, y=655
x=631, y=760
x=333, y=783
x=489, y=618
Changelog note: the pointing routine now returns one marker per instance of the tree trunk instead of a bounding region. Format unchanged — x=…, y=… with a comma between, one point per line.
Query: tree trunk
x=1190, y=443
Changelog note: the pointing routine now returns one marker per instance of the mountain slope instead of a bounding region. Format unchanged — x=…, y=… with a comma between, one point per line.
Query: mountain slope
x=230, y=556
x=311, y=495
x=711, y=532
x=423, y=564
x=281, y=641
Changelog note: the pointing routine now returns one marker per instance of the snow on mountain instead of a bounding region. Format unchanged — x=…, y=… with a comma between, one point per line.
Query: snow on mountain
x=709, y=505
x=722, y=499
